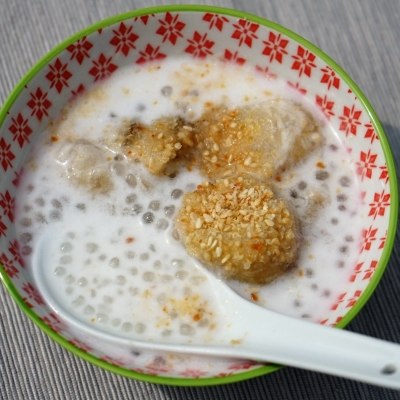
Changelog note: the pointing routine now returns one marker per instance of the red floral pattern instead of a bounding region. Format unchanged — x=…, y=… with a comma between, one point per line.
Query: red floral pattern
x=370, y=133
x=199, y=45
x=215, y=20
x=245, y=32
x=275, y=47
x=170, y=28
x=16, y=253
x=368, y=236
x=102, y=67
x=330, y=78
x=59, y=75
x=350, y=120
x=54, y=322
x=366, y=165
x=379, y=205
x=6, y=155
x=20, y=130
x=39, y=104
x=124, y=39
x=7, y=203
x=296, y=86
x=303, y=61
x=9, y=266
x=33, y=293
x=150, y=53
x=325, y=105
x=80, y=50
x=234, y=57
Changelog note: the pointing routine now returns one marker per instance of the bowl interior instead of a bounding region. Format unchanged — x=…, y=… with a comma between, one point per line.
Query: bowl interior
x=146, y=36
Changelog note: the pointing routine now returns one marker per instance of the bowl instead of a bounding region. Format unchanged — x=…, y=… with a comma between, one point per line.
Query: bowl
x=199, y=32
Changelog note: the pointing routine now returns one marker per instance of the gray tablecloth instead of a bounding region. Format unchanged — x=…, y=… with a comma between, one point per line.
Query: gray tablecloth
x=363, y=36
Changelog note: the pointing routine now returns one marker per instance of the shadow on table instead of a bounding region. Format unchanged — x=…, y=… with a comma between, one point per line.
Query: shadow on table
x=379, y=318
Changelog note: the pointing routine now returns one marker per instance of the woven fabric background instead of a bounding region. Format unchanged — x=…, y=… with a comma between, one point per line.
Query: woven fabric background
x=363, y=37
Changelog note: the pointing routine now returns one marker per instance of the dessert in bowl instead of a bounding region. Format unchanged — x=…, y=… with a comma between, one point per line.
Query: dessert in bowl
x=123, y=151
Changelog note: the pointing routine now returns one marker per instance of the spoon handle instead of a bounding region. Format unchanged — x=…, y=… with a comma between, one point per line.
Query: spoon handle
x=289, y=341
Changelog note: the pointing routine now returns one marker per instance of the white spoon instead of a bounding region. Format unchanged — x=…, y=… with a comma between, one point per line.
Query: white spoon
x=262, y=335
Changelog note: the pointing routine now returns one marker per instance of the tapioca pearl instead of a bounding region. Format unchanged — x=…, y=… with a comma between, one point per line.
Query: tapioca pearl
x=40, y=201
x=297, y=303
x=133, y=271
x=349, y=238
x=25, y=237
x=140, y=107
x=293, y=193
x=190, y=187
x=81, y=206
x=116, y=322
x=130, y=198
x=102, y=257
x=166, y=333
x=176, y=193
x=78, y=301
x=148, y=217
x=344, y=249
x=309, y=272
x=114, y=262
x=140, y=327
x=162, y=224
x=341, y=197
x=40, y=218
x=93, y=293
x=340, y=264
x=56, y=204
x=66, y=247
x=334, y=221
x=26, y=208
x=55, y=215
x=133, y=291
x=149, y=276
x=314, y=286
x=187, y=330
x=166, y=91
x=91, y=247
x=302, y=185
x=166, y=278
x=157, y=264
x=71, y=235
x=144, y=256
x=65, y=259
x=345, y=181
x=30, y=188
x=26, y=250
x=26, y=222
x=131, y=180
x=130, y=255
x=152, y=248
x=120, y=280
x=69, y=290
x=82, y=282
x=326, y=293
x=169, y=210
x=342, y=207
x=177, y=263
x=102, y=318
x=305, y=316
x=89, y=310
x=134, y=210
x=154, y=205
x=88, y=261
x=321, y=175
x=60, y=271
x=126, y=327
x=118, y=168
x=181, y=275
x=69, y=279
x=175, y=235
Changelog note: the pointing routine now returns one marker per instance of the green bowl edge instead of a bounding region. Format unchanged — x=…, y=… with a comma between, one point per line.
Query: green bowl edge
x=343, y=74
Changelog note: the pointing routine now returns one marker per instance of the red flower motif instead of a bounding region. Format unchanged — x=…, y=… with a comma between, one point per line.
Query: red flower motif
x=124, y=39
x=39, y=104
x=356, y=271
x=54, y=322
x=58, y=75
x=6, y=155
x=7, y=203
x=265, y=71
x=325, y=321
x=304, y=61
x=350, y=300
x=81, y=345
x=243, y=364
x=350, y=120
x=370, y=132
x=297, y=87
x=193, y=373
x=384, y=176
x=15, y=251
x=378, y=206
x=32, y=293
x=366, y=164
x=79, y=90
x=80, y=49
x=170, y=28
x=8, y=265
x=102, y=67
x=368, y=237
x=325, y=105
x=150, y=54
x=144, y=18
x=382, y=241
x=215, y=20
x=234, y=57
x=367, y=272
x=199, y=46
x=275, y=47
x=245, y=32
x=20, y=130
x=330, y=78
x=3, y=227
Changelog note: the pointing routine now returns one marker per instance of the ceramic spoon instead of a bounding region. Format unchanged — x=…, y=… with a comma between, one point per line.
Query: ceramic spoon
x=263, y=335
